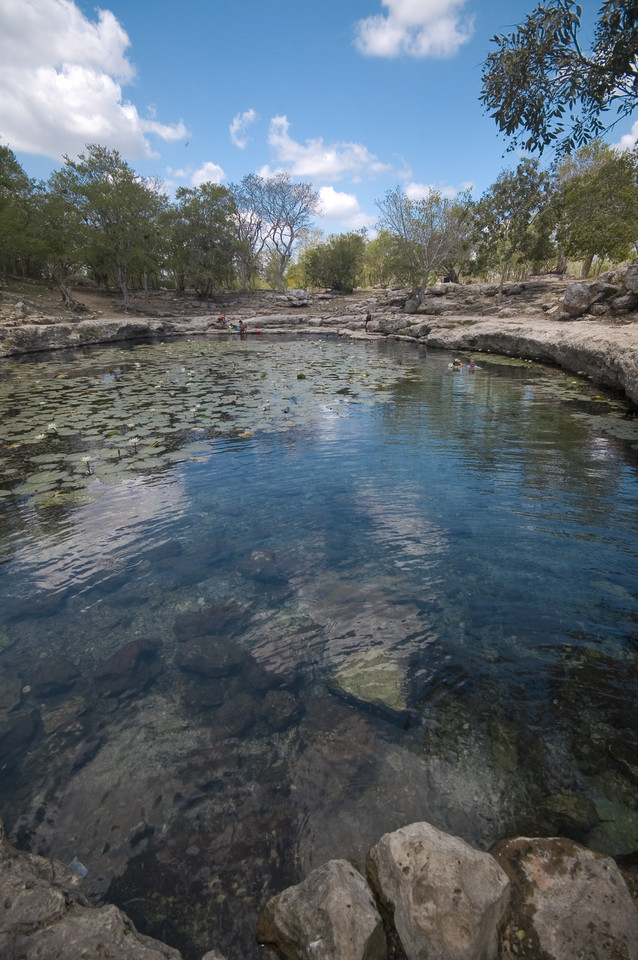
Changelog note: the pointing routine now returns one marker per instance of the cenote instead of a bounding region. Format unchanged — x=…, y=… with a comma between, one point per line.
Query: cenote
x=264, y=600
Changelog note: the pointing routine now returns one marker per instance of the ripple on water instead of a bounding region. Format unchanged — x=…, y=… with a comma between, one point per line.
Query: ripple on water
x=273, y=616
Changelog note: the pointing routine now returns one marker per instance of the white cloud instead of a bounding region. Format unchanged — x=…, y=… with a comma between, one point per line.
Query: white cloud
x=321, y=161
x=628, y=141
x=343, y=207
x=208, y=173
x=416, y=28
x=60, y=82
x=421, y=191
x=238, y=127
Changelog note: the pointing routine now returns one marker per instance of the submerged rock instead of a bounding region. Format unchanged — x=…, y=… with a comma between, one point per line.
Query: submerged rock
x=54, y=676
x=128, y=670
x=373, y=677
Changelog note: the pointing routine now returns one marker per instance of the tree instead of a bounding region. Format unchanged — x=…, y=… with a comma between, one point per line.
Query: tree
x=429, y=235
x=203, y=240
x=377, y=268
x=250, y=229
x=597, y=204
x=544, y=90
x=337, y=263
x=18, y=234
x=510, y=219
x=118, y=211
x=273, y=212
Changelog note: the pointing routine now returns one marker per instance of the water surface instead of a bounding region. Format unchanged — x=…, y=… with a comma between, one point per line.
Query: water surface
x=264, y=600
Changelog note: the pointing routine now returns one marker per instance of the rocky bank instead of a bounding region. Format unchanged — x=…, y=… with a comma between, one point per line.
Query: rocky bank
x=585, y=328
x=426, y=895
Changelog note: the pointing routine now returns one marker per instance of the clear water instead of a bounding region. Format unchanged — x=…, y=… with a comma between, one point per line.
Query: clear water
x=302, y=592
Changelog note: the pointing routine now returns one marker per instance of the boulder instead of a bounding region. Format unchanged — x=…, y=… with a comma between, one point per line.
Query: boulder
x=604, y=291
x=388, y=325
x=630, y=279
x=330, y=915
x=433, y=308
x=421, y=330
x=567, y=902
x=447, y=899
x=577, y=299
x=625, y=303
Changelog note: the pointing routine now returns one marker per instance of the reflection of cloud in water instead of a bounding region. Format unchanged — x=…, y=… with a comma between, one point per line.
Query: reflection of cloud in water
x=338, y=616
x=401, y=528
x=102, y=535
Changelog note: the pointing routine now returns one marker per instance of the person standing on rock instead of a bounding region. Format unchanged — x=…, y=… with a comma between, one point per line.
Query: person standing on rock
x=368, y=319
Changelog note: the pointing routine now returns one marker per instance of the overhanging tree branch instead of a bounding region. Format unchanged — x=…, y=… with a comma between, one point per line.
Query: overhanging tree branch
x=544, y=91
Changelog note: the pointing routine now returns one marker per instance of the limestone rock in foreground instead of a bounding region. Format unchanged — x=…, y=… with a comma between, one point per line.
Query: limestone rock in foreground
x=447, y=899
x=567, y=902
x=330, y=915
x=46, y=916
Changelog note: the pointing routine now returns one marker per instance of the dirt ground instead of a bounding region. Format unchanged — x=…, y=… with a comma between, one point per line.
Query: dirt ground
x=34, y=302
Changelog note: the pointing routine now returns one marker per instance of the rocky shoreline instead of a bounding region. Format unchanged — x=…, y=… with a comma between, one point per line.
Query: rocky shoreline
x=426, y=894
x=554, y=322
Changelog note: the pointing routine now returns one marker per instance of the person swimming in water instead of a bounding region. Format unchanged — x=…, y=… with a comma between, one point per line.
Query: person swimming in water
x=456, y=364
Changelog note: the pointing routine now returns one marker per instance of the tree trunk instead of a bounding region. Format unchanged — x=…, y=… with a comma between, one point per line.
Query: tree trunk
x=280, y=275
x=120, y=274
x=67, y=296
x=501, y=283
x=587, y=262
x=451, y=274
x=561, y=263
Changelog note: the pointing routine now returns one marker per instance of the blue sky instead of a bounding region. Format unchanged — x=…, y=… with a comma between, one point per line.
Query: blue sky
x=355, y=96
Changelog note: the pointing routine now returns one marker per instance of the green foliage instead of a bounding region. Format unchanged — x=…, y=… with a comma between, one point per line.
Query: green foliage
x=376, y=261
x=203, y=240
x=118, y=214
x=512, y=219
x=543, y=90
x=596, y=204
x=19, y=234
x=336, y=264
